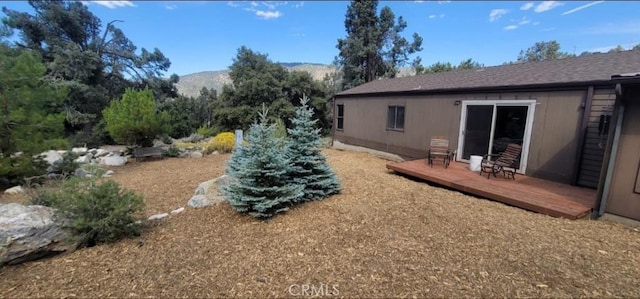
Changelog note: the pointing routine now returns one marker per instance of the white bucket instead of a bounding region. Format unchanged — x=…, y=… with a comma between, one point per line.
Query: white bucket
x=475, y=163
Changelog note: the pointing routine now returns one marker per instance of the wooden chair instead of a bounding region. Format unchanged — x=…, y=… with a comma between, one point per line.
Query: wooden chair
x=505, y=162
x=439, y=149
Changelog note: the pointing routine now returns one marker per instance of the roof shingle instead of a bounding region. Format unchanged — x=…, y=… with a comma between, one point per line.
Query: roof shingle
x=597, y=67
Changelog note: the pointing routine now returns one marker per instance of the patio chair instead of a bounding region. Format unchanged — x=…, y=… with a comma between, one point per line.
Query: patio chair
x=506, y=162
x=439, y=149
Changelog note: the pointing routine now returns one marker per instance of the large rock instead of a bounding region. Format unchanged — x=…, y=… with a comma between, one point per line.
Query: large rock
x=51, y=156
x=115, y=160
x=210, y=192
x=14, y=190
x=84, y=159
x=196, y=154
x=80, y=150
x=32, y=232
x=101, y=152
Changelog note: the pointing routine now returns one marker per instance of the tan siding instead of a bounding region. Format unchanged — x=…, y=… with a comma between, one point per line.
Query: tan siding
x=552, y=153
x=595, y=141
x=622, y=199
x=556, y=128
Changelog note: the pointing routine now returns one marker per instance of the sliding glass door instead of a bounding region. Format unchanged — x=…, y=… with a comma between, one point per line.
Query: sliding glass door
x=489, y=126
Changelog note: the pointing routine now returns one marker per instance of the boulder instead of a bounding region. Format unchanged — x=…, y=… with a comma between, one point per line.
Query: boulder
x=80, y=173
x=212, y=191
x=199, y=201
x=80, y=150
x=84, y=159
x=115, y=160
x=51, y=156
x=196, y=154
x=14, y=190
x=101, y=153
x=32, y=232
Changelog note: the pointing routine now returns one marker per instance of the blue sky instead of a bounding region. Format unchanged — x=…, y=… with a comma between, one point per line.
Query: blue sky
x=201, y=36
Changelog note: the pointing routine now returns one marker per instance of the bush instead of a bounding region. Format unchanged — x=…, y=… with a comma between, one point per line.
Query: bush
x=14, y=170
x=172, y=151
x=67, y=166
x=133, y=120
x=206, y=131
x=101, y=212
x=223, y=143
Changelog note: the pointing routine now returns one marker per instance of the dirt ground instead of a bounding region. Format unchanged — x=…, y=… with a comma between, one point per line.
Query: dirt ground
x=384, y=236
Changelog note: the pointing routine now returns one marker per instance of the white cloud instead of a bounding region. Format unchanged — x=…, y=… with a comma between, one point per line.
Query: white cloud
x=115, y=4
x=432, y=16
x=546, y=6
x=268, y=14
x=443, y=2
x=299, y=4
x=171, y=7
x=436, y=16
x=527, y=6
x=496, y=14
x=581, y=7
x=265, y=10
x=524, y=22
x=535, y=23
x=511, y=27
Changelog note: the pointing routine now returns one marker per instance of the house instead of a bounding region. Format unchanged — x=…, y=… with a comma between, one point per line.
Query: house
x=577, y=119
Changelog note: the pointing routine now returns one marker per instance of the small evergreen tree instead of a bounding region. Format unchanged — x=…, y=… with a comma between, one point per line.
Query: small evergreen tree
x=261, y=188
x=309, y=166
x=134, y=119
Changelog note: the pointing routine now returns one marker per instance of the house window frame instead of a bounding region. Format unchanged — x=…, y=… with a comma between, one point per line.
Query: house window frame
x=395, y=122
x=339, y=117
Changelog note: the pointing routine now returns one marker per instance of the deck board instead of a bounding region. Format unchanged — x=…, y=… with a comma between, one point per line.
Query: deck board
x=533, y=194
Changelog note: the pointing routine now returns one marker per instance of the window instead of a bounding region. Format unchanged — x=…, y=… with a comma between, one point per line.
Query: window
x=395, y=118
x=340, y=117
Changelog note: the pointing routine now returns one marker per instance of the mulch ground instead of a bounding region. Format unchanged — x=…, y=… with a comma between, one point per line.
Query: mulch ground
x=384, y=236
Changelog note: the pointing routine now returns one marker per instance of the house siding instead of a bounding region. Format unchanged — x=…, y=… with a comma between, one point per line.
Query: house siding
x=554, y=138
x=624, y=195
x=595, y=139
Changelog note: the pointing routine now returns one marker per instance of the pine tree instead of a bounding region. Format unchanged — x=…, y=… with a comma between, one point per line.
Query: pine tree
x=261, y=188
x=309, y=166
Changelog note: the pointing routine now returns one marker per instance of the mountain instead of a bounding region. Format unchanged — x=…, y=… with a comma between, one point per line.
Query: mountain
x=191, y=84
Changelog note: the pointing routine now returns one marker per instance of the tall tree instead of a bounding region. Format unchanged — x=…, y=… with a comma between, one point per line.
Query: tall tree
x=31, y=119
x=374, y=46
x=542, y=51
x=257, y=80
x=95, y=64
x=30, y=116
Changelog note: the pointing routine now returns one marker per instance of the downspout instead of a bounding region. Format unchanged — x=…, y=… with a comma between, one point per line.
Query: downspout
x=604, y=183
x=584, y=124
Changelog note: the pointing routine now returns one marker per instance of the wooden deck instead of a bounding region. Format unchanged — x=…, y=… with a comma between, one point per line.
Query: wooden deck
x=546, y=197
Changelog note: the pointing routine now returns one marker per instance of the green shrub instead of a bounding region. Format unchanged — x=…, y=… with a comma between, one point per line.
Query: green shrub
x=67, y=166
x=173, y=151
x=16, y=169
x=133, y=120
x=101, y=212
x=206, y=131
